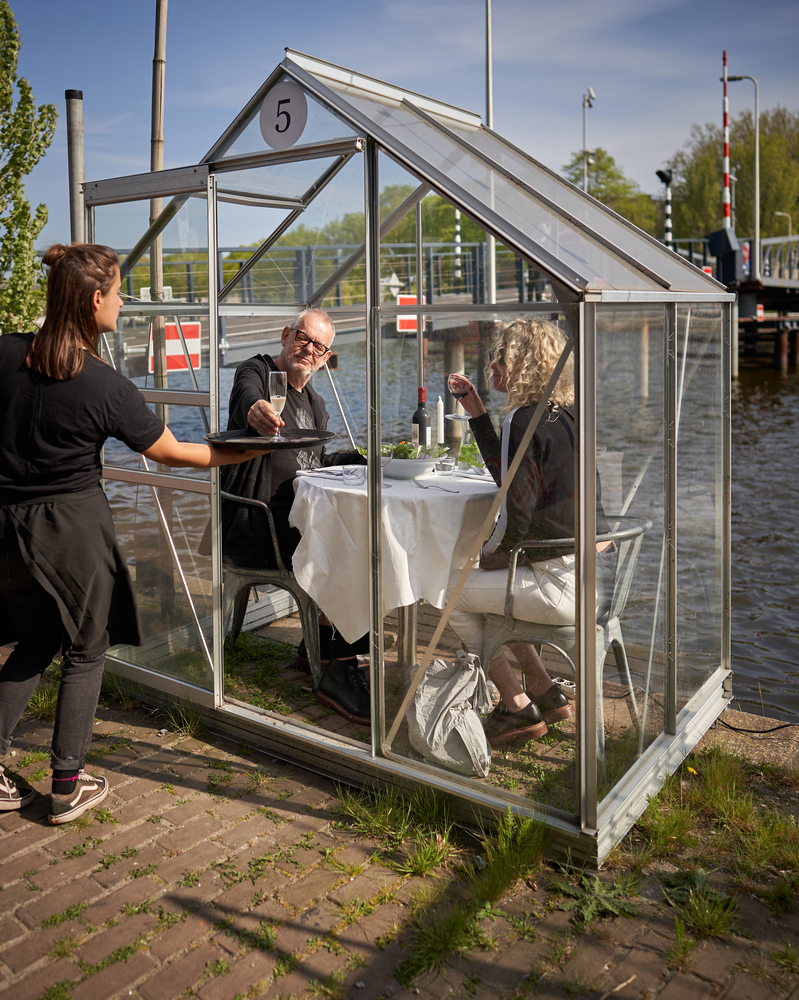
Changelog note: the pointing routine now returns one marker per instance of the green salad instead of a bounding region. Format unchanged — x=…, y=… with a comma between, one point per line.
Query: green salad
x=470, y=455
x=409, y=451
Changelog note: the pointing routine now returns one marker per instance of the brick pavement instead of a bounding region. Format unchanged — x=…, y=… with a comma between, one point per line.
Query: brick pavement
x=222, y=874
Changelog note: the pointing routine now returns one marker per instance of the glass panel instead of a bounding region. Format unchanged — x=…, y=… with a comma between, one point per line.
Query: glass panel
x=700, y=508
x=569, y=198
x=171, y=642
x=491, y=189
x=322, y=125
x=430, y=528
x=309, y=252
x=281, y=180
x=630, y=437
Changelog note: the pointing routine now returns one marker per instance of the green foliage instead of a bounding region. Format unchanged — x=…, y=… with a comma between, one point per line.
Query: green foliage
x=25, y=133
x=591, y=898
x=72, y=913
x=607, y=183
x=708, y=911
x=696, y=187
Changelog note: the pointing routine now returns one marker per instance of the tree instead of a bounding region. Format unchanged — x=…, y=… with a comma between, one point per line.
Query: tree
x=696, y=188
x=607, y=183
x=25, y=133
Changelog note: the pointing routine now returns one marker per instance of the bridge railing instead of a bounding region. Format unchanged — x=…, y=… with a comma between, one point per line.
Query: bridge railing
x=780, y=258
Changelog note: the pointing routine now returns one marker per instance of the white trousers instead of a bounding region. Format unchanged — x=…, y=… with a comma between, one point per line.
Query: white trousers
x=543, y=592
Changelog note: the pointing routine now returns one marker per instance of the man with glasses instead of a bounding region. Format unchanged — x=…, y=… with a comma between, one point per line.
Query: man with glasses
x=305, y=346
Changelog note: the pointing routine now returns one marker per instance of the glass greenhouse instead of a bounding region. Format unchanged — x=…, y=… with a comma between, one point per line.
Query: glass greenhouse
x=419, y=229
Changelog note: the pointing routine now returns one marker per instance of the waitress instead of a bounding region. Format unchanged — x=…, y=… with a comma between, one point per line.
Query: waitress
x=64, y=585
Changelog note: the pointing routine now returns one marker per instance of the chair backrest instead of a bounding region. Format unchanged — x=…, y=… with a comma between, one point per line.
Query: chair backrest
x=628, y=539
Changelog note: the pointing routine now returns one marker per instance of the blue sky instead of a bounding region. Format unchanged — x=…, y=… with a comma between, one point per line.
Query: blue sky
x=654, y=65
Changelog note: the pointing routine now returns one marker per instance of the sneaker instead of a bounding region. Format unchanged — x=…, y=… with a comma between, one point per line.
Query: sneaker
x=554, y=705
x=13, y=796
x=504, y=726
x=344, y=689
x=89, y=792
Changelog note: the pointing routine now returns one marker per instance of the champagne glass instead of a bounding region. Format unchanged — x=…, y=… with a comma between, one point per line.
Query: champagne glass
x=455, y=389
x=277, y=395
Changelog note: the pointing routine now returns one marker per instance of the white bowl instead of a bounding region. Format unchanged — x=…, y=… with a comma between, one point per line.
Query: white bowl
x=408, y=468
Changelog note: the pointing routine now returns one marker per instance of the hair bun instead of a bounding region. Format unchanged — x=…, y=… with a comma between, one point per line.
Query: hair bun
x=54, y=254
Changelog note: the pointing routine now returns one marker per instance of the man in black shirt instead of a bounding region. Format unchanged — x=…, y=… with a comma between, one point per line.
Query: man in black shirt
x=305, y=346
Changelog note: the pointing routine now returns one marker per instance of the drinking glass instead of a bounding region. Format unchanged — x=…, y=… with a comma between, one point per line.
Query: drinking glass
x=277, y=395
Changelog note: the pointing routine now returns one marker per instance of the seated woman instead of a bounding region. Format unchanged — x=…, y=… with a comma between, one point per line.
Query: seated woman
x=540, y=504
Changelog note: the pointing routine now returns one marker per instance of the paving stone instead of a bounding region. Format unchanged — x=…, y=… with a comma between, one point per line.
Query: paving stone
x=81, y=891
x=189, y=833
x=359, y=937
x=114, y=978
x=748, y=987
x=376, y=976
x=683, y=986
x=252, y=969
x=25, y=831
x=198, y=859
x=175, y=939
x=101, y=945
x=34, y=985
x=255, y=828
x=133, y=893
x=309, y=888
x=716, y=959
x=35, y=946
x=591, y=961
x=10, y=929
x=181, y=975
x=638, y=966
x=31, y=860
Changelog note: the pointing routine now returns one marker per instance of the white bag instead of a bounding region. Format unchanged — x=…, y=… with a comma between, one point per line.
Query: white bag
x=444, y=717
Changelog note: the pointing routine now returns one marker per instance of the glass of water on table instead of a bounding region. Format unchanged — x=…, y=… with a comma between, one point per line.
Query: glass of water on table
x=277, y=396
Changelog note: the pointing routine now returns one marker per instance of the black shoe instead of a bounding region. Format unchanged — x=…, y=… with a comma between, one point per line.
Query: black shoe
x=343, y=689
x=343, y=650
x=554, y=705
x=504, y=726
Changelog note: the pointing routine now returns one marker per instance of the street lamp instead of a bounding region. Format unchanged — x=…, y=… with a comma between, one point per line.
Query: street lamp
x=665, y=177
x=756, y=254
x=790, y=227
x=588, y=102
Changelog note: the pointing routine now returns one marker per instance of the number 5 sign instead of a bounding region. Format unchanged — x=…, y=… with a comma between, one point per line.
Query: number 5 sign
x=283, y=115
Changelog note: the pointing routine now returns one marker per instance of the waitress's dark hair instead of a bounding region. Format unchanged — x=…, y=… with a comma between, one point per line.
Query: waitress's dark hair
x=76, y=273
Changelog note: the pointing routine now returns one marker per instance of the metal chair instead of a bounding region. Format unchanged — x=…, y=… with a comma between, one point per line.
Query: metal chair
x=628, y=535
x=239, y=579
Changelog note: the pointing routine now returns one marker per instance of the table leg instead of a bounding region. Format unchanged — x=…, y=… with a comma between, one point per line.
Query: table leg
x=406, y=638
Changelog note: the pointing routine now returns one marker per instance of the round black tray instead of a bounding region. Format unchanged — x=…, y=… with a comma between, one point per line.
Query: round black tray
x=293, y=437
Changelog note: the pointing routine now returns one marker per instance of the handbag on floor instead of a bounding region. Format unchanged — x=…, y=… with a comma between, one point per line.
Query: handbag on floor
x=444, y=722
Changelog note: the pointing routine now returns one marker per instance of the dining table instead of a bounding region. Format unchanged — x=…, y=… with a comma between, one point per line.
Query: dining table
x=429, y=527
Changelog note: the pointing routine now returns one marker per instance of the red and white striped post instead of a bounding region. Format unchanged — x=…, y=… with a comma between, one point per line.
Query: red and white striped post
x=725, y=197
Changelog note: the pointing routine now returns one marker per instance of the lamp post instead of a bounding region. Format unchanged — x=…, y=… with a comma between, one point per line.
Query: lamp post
x=756, y=254
x=588, y=102
x=790, y=222
x=665, y=177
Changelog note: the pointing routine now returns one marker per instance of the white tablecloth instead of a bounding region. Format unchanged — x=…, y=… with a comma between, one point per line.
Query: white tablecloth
x=425, y=534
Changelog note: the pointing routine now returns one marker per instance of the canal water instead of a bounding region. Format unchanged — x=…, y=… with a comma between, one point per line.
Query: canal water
x=765, y=553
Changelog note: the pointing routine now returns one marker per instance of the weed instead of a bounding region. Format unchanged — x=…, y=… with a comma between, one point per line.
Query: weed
x=38, y=775
x=124, y=692
x=132, y=909
x=43, y=701
x=107, y=860
x=683, y=947
x=437, y=938
x=426, y=854
x=167, y=919
x=382, y=941
x=30, y=873
x=354, y=909
x=708, y=911
x=524, y=927
x=470, y=984
x=189, y=879
x=59, y=991
x=577, y=987
x=72, y=913
x=425, y=899
x=347, y=869
x=787, y=958
x=385, y=816
x=333, y=986
x=66, y=946
x=264, y=937
x=168, y=788
x=77, y=851
x=285, y=964
x=781, y=895
x=219, y=765
x=217, y=968
x=34, y=757
x=103, y=815
x=184, y=718
x=147, y=870
x=120, y=955
x=153, y=819
x=512, y=852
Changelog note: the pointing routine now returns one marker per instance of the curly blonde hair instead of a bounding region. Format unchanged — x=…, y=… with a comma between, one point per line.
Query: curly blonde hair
x=530, y=348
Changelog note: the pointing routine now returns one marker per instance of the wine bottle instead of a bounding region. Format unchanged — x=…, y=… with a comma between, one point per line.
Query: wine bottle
x=421, y=426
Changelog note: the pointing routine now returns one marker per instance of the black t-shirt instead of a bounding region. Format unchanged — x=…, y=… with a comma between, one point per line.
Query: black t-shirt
x=53, y=431
x=296, y=413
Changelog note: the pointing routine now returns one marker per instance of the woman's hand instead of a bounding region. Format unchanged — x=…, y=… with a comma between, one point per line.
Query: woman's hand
x=263, y=418
x=471, y=402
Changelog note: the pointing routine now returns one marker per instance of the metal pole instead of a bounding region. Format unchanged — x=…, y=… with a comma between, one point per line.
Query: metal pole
x=77, y=218
x=156, y=204
x=491, y=243
x=725, y=197
x=756, y=241
x=585, y=143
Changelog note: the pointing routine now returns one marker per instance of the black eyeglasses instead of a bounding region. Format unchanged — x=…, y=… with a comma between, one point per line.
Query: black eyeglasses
x=303, y=340
x=497, y=355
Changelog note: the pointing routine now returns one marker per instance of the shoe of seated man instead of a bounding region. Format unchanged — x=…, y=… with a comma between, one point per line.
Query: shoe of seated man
x=553, y=705
x=12, y=795
x=343, y=688
x=89, y=792
x=504, y=726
